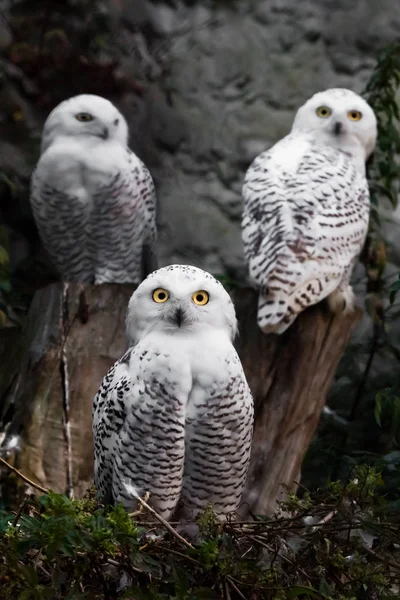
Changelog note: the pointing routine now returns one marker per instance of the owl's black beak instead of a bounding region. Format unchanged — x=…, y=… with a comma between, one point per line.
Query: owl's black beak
x=178, y=317
x=337, y=128
x=105, y=134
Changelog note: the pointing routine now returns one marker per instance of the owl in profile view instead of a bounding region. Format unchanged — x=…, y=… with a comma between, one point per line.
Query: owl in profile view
x=174, y=416
x=306, y=209
x=92, y=198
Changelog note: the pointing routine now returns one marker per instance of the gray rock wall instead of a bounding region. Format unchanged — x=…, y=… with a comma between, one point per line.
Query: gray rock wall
x=220, y=81
x=233, y=75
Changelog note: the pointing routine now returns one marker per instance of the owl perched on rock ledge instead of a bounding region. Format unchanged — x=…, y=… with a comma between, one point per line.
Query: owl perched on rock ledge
x=306, y=209
x=93, y=199
x=174, y=416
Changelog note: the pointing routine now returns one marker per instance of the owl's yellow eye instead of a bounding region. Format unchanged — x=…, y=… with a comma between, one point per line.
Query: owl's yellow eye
x=324, y=112
x=200, y=298
x=354, y=115
x=84, y=117
x=160, y=295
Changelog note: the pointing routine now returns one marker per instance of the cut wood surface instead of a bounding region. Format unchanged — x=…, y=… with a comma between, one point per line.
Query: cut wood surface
x=73, y=335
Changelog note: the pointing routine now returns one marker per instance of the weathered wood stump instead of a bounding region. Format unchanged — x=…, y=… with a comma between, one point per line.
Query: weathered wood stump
x=73, y=335
x=289, y=376
x=75, y=332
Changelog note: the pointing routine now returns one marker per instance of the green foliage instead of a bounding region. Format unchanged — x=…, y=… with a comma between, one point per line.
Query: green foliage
x=380, y=94
x=387, y=405
x=383, y=170
x=318, y=546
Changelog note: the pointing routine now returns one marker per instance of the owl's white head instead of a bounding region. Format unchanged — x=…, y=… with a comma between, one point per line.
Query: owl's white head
x=342, y=119
x=179, y=299
x=85, y=115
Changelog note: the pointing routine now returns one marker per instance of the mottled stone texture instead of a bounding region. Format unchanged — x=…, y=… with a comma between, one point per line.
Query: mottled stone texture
x=233, y=77
x=220, y=82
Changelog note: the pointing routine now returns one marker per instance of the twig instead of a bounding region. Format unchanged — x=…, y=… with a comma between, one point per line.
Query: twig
x=23, y=477
x=162, y=520
x=227, y=593
x=19, y=512
x=327, y=518
x=138, y=512
x=381, y=558
x=236, y=588
x=114, y=563
x=185, y=556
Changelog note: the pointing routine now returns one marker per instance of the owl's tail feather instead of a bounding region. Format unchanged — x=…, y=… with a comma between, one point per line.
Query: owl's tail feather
x=274, y=315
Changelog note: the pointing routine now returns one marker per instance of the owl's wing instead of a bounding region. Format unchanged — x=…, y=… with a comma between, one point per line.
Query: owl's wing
x=109, y=414
x=125, y=231
x=62, y=218
x=149, y=254
x=218, y=434
x=302, y=228
x=138, y=431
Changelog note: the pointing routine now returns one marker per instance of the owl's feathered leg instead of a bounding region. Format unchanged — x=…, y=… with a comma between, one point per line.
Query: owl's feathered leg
x=342, y=299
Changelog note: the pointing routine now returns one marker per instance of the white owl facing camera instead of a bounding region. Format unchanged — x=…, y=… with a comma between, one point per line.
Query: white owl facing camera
x=93, y=199
x=174, y=416
x=306, y=209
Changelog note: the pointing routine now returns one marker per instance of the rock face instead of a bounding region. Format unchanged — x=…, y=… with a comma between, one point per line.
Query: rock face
x=235, y=75
x=219, y=83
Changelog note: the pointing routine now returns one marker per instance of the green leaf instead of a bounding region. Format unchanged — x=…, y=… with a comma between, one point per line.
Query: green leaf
x=324, y=588
x=5, y=286
x=29, y=574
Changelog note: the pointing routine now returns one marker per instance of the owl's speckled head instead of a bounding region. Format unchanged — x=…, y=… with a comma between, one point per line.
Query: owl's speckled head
x=85, y=115
x=179, y=299
x=340, y=118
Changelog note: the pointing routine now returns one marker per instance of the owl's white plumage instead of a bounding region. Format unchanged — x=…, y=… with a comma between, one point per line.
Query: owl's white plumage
x=174, y=416
x=92, y=198
x=306, y=208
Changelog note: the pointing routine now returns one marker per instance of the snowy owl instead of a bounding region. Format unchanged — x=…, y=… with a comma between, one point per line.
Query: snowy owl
x=306, y=209
x=92, y=198
x=174, y=416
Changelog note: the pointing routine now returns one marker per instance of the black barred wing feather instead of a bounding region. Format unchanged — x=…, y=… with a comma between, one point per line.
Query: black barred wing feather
x=138, y=431
x=97, y=221
x=304, y=223
x=219, y=427
x=124, y=225
x=109, y=414
x=64, y=223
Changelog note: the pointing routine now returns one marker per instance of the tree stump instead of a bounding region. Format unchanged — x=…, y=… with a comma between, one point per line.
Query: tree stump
x=289, y=375
x=75, y=332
